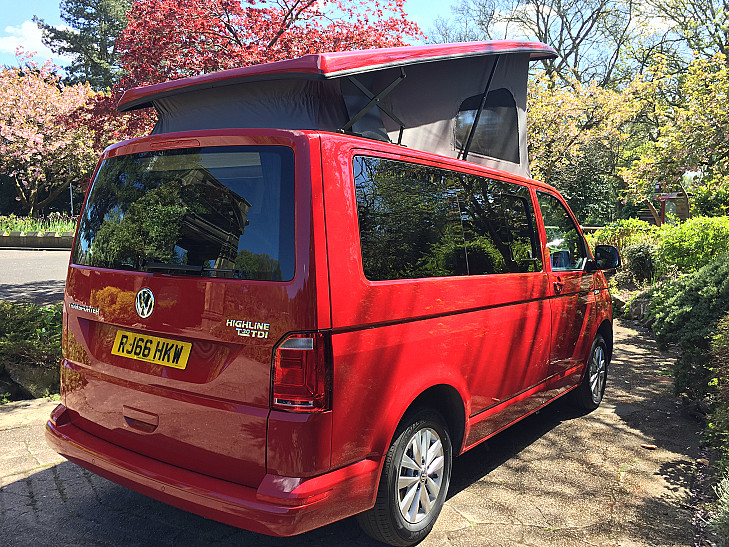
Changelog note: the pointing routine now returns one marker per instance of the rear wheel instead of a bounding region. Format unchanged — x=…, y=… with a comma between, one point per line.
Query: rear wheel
x=414, y=482
x=589, y=393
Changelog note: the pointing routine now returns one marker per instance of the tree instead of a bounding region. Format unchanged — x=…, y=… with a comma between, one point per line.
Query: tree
x=44, y=143
x=703, y=25
x=91, y=39
x=578, y=138
x=588, y=35
x=168, y=39
x=688, y=147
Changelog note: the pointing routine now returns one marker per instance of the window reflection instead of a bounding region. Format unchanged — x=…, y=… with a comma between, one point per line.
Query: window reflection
x=218, y=212
x=566, y=247
x=418, y=221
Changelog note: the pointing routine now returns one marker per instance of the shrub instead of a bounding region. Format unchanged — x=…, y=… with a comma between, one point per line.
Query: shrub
x=719, y=520
x=685, y=311
x=718, y=423
x=692, y=244
x=30, y=335
x=627, y=232
x=640, y=261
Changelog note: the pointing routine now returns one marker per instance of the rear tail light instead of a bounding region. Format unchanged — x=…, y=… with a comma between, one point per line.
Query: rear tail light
x=301, y=373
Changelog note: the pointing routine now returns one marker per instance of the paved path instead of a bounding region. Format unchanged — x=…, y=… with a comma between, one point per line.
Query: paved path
x=556, y=479
x=33, y=276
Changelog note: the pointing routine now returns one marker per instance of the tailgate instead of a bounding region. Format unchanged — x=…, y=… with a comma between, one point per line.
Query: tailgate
x=185, y=273
x=207, y=413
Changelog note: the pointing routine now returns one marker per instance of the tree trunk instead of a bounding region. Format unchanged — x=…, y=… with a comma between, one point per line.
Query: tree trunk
x=653, y=212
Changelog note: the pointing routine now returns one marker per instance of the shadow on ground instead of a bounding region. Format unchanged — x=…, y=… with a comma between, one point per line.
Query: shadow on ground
x=38, y=292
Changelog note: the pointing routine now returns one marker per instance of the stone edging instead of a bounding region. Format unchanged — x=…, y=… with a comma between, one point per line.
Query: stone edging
x=36, y=240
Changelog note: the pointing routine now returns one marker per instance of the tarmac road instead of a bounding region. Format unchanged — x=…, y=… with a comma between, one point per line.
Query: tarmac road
x=33, y=276
x=619, y=476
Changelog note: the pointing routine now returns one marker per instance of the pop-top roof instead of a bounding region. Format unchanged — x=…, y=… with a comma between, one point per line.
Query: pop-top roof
x=333, y=65
x=464, y=100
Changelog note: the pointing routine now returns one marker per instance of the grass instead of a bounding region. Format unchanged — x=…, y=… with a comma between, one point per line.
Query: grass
x=55, y=222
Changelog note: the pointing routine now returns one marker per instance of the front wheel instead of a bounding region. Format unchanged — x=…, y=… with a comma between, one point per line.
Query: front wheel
x=414, y=482
x=588, y=394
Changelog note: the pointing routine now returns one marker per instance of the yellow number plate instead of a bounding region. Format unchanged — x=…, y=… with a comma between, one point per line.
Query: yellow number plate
x=152, y=349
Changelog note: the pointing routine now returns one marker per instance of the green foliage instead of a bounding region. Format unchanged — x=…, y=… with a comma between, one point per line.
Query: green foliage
x=692, y=244
x=684, y=247
x=93, y=27
x=719, y=520
x=55, y=222
x=687, y=112
x=712, y=199
x=627, y=232
x=257, y=266
x=30, y=334
x=718, y=419
x=685, y=311
x=447, y=256
x=640, y=261
x=149, y=228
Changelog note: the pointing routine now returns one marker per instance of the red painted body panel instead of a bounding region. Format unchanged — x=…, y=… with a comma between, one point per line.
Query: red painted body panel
x=205, y=438
x=214, y=414
x=332, y=65
x=281, y=506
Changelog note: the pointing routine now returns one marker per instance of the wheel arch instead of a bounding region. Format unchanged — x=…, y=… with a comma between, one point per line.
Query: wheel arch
x=447, y=401
x=606, y=331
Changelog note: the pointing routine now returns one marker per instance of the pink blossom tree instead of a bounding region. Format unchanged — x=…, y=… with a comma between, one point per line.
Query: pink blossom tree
x=45, y=144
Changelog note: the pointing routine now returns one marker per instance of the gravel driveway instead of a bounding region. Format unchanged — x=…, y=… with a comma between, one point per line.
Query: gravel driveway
x=618, y=476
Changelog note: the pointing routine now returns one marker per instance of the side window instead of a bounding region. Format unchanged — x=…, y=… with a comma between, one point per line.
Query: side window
x=418, y=221
x=566, y=247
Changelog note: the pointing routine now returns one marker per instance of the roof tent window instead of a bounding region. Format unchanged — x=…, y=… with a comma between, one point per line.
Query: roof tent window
x=497, y=134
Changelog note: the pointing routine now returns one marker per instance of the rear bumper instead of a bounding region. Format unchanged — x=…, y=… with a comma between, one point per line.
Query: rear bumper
x=280, y=506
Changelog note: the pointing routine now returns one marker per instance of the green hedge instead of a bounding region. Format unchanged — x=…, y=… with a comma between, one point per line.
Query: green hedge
x=688, y=246
x=718, y=423
x=627, y=232
x=30, y=335
x=686, y=311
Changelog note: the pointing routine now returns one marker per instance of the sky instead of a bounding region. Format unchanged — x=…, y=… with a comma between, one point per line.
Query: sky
x=17, y=27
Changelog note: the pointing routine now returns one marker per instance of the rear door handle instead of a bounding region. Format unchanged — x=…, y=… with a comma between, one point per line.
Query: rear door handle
x=140, y=419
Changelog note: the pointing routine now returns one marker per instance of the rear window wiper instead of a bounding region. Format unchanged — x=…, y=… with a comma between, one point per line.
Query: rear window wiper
x=153, y=266
x=185, y=268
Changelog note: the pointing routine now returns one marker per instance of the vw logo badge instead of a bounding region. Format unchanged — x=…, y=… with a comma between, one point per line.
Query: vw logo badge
x=144, y=303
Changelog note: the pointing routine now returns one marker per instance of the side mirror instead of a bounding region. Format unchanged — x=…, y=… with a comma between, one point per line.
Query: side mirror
x=607, y=257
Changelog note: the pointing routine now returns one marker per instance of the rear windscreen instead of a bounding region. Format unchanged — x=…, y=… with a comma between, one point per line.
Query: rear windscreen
x=211, y=212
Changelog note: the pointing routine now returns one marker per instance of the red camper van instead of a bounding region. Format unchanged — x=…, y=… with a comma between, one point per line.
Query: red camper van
x=317, y=282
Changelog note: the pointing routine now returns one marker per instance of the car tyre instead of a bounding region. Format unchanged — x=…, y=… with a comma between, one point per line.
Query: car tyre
x=414, y=481
x=589, y=393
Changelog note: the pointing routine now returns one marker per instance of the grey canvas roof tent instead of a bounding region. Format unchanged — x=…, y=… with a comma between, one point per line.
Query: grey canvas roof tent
x=465, y=100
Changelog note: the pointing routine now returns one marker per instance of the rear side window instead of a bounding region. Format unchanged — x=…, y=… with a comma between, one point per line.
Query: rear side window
x=210, y=212
x=419, y=221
